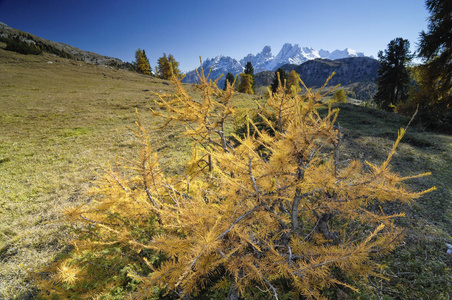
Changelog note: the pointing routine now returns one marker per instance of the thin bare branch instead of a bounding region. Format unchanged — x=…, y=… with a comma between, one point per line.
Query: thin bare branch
x=250, y=170
x=238, y=220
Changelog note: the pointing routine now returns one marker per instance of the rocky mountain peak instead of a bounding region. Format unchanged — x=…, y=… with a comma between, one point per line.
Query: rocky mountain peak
x=265, y=61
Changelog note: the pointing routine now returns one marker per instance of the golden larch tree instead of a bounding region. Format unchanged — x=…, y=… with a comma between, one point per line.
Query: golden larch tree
x=246, y=84
x=142, y=62
x=293, y=82
x=275, y=209
x=167, y=66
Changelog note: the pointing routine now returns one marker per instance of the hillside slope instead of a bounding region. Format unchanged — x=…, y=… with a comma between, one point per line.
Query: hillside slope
x=61, y=49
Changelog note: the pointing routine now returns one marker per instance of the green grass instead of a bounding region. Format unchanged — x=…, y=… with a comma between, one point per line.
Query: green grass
x=419, y=269
x=61, y=123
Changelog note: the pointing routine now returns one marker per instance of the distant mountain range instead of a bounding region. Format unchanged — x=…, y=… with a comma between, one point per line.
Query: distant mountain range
x=266, y=61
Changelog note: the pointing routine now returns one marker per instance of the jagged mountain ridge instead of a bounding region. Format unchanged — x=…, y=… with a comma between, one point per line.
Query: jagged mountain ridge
x=266, y=61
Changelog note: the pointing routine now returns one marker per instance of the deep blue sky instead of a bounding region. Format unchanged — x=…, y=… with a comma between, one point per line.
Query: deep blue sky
x=192, y=28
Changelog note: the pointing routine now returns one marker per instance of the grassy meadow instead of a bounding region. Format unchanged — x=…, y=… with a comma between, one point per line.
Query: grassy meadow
x=63, y=121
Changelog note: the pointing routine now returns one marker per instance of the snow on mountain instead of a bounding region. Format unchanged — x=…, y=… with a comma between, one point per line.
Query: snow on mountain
x=220, y=65
x=338, y=54
x=265, y=61
x=260, y=60
x=289, y=55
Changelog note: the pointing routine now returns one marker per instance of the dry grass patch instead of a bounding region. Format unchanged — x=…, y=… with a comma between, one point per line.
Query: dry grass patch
x=60, y=123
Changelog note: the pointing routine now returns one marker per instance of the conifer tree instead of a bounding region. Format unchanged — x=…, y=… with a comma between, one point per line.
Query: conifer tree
x=249, y=70
x=293, y=82
x=229, y=79
x=167, y=65
x=279, y=213
x=435, y=46
x=142, y=62
x=163, y=69
x=393, y=74
x=147, y=62
x=174, y=65
x=279, y=79
x=434, y=95
x=246, y=84
x=339, y=96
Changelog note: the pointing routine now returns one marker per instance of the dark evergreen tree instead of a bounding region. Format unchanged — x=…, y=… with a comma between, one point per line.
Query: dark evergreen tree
x=249, y=70
x=393, y=74
x=229, y=78
x=435, y=47
x=280, y=75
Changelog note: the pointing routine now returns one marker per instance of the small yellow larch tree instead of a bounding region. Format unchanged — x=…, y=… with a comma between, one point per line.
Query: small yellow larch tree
x=271, y=209
x=167, y=66
x=246, y=84
x=293, y=82
x=142, y=62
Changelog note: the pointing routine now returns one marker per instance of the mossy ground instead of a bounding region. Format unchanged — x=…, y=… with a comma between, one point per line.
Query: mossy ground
x=62, y=122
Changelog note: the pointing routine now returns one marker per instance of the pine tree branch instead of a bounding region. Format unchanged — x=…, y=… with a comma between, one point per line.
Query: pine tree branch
x=299, y=272
x=146, y=188
x=189, y=268
x=277, y=190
